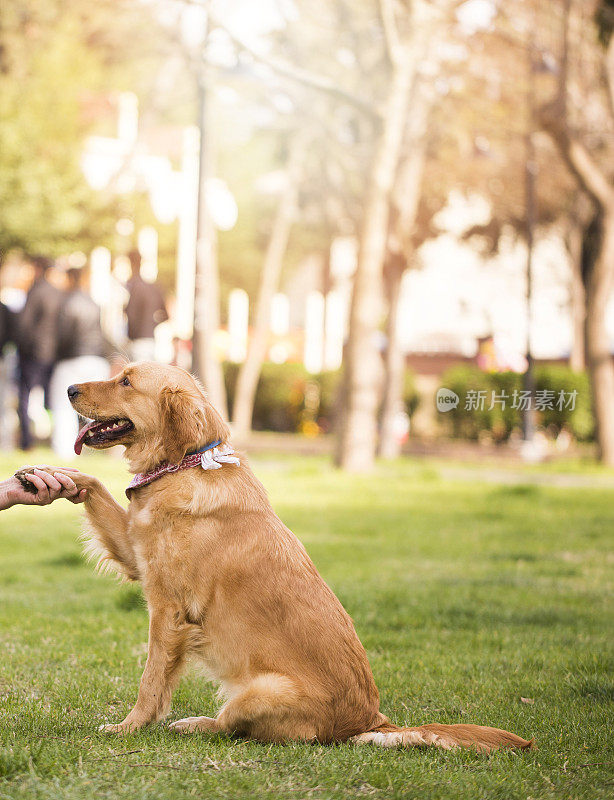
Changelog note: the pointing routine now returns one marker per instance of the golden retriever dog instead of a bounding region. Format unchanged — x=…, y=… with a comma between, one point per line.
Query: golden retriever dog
x=226, y=582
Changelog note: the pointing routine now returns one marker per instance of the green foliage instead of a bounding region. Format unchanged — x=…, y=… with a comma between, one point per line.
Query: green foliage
x=500, y=422
x=580, y=421
x=411, y=396
x=468, y=424
x=280, y=397
x=280, y=402
x=290, y=399
x=59, y=63
x=330, y=385
x=46, y=66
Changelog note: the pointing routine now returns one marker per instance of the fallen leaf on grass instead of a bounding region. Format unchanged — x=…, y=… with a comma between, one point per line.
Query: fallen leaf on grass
x=527, y=700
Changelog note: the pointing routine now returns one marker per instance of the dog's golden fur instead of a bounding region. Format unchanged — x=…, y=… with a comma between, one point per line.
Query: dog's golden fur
x=226, y=582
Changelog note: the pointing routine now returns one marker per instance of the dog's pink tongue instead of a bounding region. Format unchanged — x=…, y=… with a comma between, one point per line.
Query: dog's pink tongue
x=79, y=441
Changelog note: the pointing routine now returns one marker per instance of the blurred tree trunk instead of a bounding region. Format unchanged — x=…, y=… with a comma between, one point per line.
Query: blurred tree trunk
x=406, y=198
x=357, y=441
x=577, y=355
x=578, y=225
x=358, y=435
x=207, y=283
x=249, y=374
x=599, y=272
x=394, y=360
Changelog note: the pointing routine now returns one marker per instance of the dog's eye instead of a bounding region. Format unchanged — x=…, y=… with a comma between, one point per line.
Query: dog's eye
x=125, y=382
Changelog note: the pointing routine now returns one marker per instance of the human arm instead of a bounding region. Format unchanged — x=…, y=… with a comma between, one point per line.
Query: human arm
x=47, y=488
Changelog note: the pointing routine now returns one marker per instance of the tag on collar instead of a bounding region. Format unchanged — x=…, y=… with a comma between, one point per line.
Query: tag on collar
x=213, y=459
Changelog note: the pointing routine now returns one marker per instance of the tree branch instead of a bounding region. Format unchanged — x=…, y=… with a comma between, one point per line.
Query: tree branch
x=391, y=32
x=555, y=121
x=579, y=160
x=312, y=80
x=564, y=61
x=609, y=73
x=593, y=179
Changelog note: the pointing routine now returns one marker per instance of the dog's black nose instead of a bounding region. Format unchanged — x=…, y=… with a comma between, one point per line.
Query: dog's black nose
x=72, y=392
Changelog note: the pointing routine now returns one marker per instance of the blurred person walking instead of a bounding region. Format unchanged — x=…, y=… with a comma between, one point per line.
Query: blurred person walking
x=7, y=326
x=81, y=352
x=36, y=341
x=145, y=310
x=8, y=335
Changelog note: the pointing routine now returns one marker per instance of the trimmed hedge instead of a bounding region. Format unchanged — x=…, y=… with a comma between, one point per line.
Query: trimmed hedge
x=280, y=396
x=500, y=422
x=580, y=422
x=290, y=399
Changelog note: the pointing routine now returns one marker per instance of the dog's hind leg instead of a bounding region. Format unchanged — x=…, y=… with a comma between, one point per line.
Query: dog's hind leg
x=194, y=725
x=268, y=708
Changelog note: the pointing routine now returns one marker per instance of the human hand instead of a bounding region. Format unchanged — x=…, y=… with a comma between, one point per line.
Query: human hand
x=47, y=483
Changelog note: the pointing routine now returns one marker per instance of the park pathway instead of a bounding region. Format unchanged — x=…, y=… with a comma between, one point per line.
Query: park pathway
x=495, y=465
x=511, y=477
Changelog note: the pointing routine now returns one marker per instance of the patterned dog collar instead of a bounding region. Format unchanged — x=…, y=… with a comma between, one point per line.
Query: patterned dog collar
x=211, y=456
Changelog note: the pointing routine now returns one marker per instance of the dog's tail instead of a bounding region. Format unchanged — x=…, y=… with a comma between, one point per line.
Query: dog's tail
x=478, y=737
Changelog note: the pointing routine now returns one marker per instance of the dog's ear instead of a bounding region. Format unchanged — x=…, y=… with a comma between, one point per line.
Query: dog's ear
x=182, y=423
x=215, y=427
x=188, y=421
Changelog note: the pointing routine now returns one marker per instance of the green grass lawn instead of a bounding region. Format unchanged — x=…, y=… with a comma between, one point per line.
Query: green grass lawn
x=467, y=596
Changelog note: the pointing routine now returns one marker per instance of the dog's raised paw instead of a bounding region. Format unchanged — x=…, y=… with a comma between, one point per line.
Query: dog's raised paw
x=26, y=484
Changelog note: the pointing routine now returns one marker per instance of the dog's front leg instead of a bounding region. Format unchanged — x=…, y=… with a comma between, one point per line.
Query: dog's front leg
x=165, y=657
x=108, y=523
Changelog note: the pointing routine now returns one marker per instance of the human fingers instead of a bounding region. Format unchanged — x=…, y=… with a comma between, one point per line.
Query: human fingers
x=42, y=490
x=82, y=480
x=52, y=470
x=70, y=487
x=53, y=483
